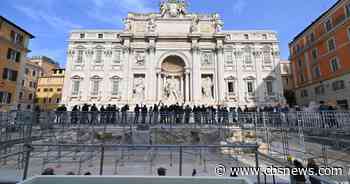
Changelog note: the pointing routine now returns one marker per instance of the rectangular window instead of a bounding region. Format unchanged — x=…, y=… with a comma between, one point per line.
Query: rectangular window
x=264, y=36
x=319, y=90
x=269, y=88
x=95, y=87
x=116, y=56
x=59, y=89
x=228, y=58
x=347, y=8
x=9, y=98
x=5, y=97
x=246, y=36
x=115, y=87
x=13, y=55
x=33, y=73
x=304, y=93
x=328, y=25
x=100, y=35
x=338, y=85
x=76, y=87
x=58, y=100
x=331, y=44
x=314, y=54
x=300, y=63
x=80, y=56
x=82, y=36
x=312, y=37
x=335, y=66
x=9, y=74
x=248, y=59
x=250, y=87
x=46, y=90
x=98, y=56
x=230, y=86
x=317, y=72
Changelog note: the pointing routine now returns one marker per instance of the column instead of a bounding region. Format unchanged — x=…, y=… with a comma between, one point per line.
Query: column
x=220, y=74
x=187, y=86
x=157, y=86
x=196, y=74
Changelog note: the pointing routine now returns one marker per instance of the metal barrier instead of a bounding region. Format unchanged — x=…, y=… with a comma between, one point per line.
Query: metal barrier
x=115, y=157
x=320, y=135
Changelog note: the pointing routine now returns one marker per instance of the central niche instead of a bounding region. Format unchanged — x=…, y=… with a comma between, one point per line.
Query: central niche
x=173, y=79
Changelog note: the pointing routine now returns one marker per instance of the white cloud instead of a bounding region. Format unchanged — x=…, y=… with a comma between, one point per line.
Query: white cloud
x=112, y=11
x=43, y=15
x=239, y=6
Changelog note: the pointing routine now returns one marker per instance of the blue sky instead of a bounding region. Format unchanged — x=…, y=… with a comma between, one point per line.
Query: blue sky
x=51, y=20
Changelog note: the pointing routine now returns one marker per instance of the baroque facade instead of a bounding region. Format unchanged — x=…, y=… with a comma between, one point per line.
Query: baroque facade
x=173, y=57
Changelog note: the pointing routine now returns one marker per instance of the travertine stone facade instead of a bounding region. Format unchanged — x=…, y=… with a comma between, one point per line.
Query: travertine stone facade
x=173, y=57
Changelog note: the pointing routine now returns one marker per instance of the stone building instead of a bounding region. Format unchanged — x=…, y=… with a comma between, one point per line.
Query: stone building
x=29, y=83
x=14, y=42
x=173, y=56
x=49, y=91
x=320, y=58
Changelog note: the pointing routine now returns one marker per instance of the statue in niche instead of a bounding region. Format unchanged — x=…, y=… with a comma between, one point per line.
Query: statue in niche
x=139, y=89
x=151, y=25
x=171, y=89
x=194, y=25
x=207, y=86
x=127, y=25
x=218, y=23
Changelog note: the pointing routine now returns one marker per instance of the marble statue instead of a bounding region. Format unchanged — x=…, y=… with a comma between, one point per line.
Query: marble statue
x=151, y=25
x=207, y=85
x=139, y=89
x=171, y=89
x=217, y=22
x=127, y=25
x=173, y=8
x=194, y=24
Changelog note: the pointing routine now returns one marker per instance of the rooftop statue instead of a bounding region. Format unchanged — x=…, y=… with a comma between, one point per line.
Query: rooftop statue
x=173, y=8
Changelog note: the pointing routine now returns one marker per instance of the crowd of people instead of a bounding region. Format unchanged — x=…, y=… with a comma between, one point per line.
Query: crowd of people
x=176, y=113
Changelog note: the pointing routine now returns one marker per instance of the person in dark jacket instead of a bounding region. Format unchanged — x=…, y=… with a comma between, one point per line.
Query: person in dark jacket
x=137, y=113
x=298, y=178
x=188, y=112
x=144, y=114
x=311, y=164
x=94, y=114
